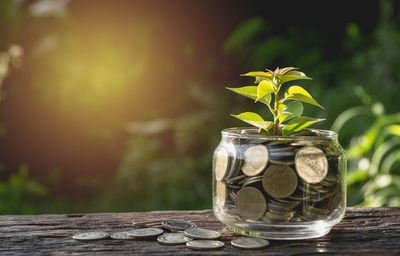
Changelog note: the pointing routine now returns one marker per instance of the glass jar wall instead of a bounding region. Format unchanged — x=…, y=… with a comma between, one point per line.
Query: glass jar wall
x=279, y=187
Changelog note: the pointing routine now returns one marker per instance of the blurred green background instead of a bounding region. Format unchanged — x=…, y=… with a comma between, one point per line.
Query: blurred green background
x=118, y=105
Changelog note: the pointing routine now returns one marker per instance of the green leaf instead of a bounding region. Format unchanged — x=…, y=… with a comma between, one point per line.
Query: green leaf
x=254, y=119
x=297, y=93
x=298, y=124
x=260, y=74
x=264, y=88
x=287, y=69
x=251, y=92
x=293, y=75
x=293, y=109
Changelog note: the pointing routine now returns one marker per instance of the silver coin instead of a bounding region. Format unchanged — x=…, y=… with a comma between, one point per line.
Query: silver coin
x=220, y=194
x=173, y=238
x=249, y=243
x=255, y=160
x=178, y=224
x=236, y=161
x=90, y=236
x=311, y=164
x=221, y=163
x=121, y=236
x=145, y=232
x=250, y=203
x=201, y=233
x=204, y=245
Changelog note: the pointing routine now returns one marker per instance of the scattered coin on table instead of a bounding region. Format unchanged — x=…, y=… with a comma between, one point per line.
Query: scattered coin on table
x=90, y=236
x=173, y=238
x=177, y=224
x=121, y=236
x=145, y=232
x=201, y=233
x=249, y=243
x=204, y=245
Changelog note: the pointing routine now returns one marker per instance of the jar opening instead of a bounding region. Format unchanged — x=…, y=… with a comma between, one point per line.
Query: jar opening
x=253, y=133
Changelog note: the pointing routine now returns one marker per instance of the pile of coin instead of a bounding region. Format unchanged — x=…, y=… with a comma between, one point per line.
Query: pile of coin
x=277, y=181
x=180, y=232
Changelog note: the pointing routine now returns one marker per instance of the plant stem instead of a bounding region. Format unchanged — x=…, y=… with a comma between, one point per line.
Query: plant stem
x=275, y=128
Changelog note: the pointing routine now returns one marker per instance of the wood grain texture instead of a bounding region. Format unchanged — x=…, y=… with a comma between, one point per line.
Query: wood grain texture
x=374, y=231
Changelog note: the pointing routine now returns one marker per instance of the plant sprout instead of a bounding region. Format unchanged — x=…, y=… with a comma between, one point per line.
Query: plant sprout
x=287, y=109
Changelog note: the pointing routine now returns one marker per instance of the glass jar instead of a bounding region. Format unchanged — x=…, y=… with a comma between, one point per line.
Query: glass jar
x=279, y=187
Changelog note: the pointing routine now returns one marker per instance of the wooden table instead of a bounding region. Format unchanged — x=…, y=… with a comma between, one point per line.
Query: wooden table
x=374, y=231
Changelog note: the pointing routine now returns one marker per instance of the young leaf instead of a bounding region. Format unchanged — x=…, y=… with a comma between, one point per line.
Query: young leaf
x=285, y=70
x=299, y=123
x=297, y=93
x=251, y=92
x=260, y=74
x=254, y=119
x=293, y=75
x=264, y=88
x=293, y=109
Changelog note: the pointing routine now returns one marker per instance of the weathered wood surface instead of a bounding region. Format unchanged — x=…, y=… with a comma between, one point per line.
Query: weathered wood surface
x=374, y=231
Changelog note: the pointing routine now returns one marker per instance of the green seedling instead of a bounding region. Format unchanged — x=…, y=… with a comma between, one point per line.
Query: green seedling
x=287, y=109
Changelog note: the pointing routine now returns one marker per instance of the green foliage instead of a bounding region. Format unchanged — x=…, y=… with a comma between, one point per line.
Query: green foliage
x=374, y=158
x=20, y=194
x=269, y=83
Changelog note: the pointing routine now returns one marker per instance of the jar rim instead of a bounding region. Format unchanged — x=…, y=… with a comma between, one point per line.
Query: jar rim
x=237, y=132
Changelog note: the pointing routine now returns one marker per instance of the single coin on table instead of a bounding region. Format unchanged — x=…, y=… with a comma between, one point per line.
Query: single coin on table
x=255, y=160
x=221, y=163
x=249, y=243
x=279, y=181
x=121, y=236
x=201, y=233
x=90, y=236
x=250, y=203
x=204, y=245
x=145, y=232
x=179, y=225
x=173, y=238
x=311, y=164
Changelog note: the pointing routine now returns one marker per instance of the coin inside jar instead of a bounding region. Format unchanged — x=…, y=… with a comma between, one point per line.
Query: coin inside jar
x=255, y=160
x=311, y=164
x=204, y=245
x=250, y=203
x=221, y=163
x=220, y=194
x=249, y=243
x=279, y=181
x=201, y=233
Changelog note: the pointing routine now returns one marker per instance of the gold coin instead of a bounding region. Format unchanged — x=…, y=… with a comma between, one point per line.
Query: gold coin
x=250, y=203
x=220, y=192
x=221, y=163
x=255, y=160
x=311, y=164
x=279, y=181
